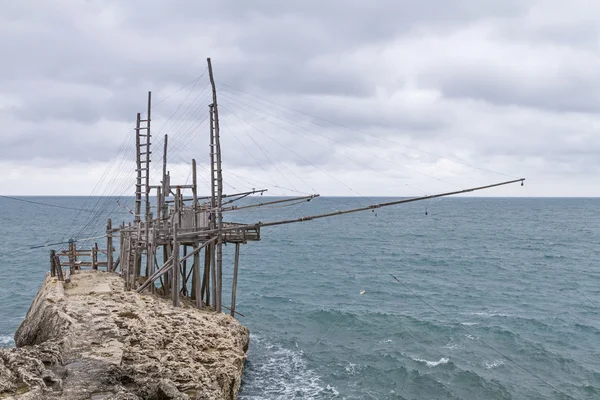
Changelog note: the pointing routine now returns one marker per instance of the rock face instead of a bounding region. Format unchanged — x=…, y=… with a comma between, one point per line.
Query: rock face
x=90, y=339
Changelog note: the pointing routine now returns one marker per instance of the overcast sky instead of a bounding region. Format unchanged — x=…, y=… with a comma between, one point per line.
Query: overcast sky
x=338, y=97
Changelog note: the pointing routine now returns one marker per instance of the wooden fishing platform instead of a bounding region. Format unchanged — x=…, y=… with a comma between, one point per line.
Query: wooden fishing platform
x=186, y=230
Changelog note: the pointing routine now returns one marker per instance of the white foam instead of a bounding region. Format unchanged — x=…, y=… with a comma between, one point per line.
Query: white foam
x=491, y=314
x=452, y=346
x=493, y=364
x=432, y=364
x=469, y=323
x=386, y=341
x=276, y=372
x=6, y=341
x=351, y=369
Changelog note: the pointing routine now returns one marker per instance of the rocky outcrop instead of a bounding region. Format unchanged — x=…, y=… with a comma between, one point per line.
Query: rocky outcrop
x=90, y=339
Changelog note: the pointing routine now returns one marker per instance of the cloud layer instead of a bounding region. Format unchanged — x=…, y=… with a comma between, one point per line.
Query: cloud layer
x=347, y=98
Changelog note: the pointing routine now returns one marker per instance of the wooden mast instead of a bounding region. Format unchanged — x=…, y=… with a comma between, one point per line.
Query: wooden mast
x=219, y=195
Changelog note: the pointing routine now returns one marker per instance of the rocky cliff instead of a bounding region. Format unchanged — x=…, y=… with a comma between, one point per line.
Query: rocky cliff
x=90, y=339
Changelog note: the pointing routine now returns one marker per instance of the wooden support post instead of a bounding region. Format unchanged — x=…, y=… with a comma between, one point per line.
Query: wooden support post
x=206, y=278
x=109, y=246
x=235, y=274
x=158, y=203
x=184, y=272
x=216, y=148
x=196, y=279
x=121, y=247
x=195, y=193
x=71, y=256
x=152, y=256
x=76, y=266
x=167, y=280
x=53, y=263
x=175, y=274
x=148, y=159
x=58, y=268
x=138, y=170
x=213, y=276
x=95, y=256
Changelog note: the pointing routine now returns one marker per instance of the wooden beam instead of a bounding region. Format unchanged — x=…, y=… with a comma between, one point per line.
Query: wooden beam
x=336, y=213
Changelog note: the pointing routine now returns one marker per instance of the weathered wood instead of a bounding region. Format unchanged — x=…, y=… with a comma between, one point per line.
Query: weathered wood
x=213, y=274
x=219, y=194
x=194, y=193
x=167, y=277
x=167, y=266
x=147, y=166
x=109, y=246
x=175, y=274
x=205, y=288
x=58, y=268
x=53, y=263
x=138, y=163
x=71, y=256
x=196, y=278
x=95, y=256
x=235, y=275
x=184, y=271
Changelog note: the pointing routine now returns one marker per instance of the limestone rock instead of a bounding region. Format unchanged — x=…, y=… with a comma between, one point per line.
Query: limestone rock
x=90, y=339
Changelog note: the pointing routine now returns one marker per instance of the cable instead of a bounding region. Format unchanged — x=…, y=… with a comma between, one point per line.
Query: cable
x=46, y=204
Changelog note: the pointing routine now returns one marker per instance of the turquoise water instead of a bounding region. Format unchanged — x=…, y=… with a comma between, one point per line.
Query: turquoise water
x=494, y=298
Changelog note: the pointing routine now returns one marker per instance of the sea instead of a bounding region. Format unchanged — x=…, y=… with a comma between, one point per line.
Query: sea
x=454, y=298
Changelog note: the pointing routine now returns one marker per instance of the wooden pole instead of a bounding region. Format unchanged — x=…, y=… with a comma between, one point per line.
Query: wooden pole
x=206, y=277
x=184, y=272
x=213, y=276
x=158, y=203
x=195, y=193
x=138, y=170
x=196, y=279
x=175, y=274
x=152, y=255
x=235, y=275
x=353, y=210
x=166, y=190
x=219, y=199
x=95, y=257
x=109, y=246
x=148, y=153
x=52, y=263
x=58, y=268
x=75, y=267
x=166, y=256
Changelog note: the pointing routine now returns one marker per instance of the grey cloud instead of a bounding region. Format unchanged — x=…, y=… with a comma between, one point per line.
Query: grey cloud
x=76, y=72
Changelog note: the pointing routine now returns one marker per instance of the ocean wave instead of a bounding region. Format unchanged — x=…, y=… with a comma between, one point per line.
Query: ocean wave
x=6, y=341
x=493, y=364
x=432, y=364
x=275, y=372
